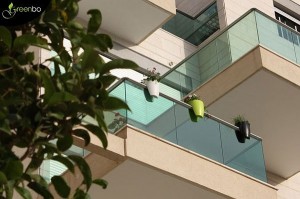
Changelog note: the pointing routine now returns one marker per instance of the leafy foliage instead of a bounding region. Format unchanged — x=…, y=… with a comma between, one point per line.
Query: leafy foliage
x=191, y=97
x=37, y=107
x=152, y=75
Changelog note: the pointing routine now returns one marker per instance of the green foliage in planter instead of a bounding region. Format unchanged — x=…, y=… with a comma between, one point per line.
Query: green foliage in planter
x=30, y=118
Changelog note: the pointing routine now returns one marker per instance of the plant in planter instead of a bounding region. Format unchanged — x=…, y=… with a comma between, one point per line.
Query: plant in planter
x=152, y=82
x=197, y=105
x=118, y=122
x=244, y=128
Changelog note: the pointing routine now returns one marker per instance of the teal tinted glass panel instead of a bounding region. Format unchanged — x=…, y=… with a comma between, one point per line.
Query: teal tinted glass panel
x=242, y=36
x=276, y=37
x=296, y=39
x=231, y=146
x=251, y=162
x=194, y=30
x=170, y=120
x=218, y=54
x=156, y=117
x=202, y=137
x=246, y=157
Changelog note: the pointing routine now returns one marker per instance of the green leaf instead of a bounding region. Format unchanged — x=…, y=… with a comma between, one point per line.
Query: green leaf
x=22, y=42
x=65, y=142
x=101, y=182
x=107, y=80
x=114, y=103
x=95, y=20
x=75, y=25
x=106, y=39
x=13, y=169
x=76, y=108
x=82, y=134
x=10, y=6
x=40, y=190
x=23, y=192
x=100, y=41
x=64, y=161
x=91, y=60
x=84, y=169
x=59, y=97
x=48, y=84
x=9, y=189
x=118, y=63
x=3, y=178
x=5, y=60
x=72, y=10
x=65, y=58
x=79, y=194
x=5, y=36
x=98, y=132
x=39, y=179
x=61, y=186
x=100, y=119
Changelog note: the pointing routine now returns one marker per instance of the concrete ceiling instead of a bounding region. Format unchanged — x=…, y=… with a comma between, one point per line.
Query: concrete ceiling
x=133, y=180
x=272, y=105
x=129, y=20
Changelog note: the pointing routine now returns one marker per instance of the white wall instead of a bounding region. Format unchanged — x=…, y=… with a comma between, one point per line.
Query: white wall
x=162, y=47
x=233, y=9
x=287, y=188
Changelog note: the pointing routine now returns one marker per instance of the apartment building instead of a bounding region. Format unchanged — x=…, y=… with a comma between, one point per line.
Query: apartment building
x=242, y=58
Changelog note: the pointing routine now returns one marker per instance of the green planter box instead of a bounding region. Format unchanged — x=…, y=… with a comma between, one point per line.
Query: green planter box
x=198, y=107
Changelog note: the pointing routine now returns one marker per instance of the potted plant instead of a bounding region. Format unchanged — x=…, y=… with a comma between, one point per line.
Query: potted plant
x=118, y=122
x=152, y=82
x=244, y=128
x=197, y=105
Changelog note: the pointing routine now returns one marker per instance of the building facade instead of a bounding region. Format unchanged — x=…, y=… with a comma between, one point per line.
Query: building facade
x=241, y=58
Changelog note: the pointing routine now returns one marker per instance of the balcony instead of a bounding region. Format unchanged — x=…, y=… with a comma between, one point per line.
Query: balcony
x=251, y=68
x=169, y=119
x=251, y=30
x=156, y=151
x=130, y=20
x=194, y=29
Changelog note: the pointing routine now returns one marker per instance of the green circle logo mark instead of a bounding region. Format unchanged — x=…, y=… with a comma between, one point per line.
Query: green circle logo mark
x=19, y=12
x=8, y=14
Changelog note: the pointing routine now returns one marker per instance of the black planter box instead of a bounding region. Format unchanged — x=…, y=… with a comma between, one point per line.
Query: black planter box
x=244, y=131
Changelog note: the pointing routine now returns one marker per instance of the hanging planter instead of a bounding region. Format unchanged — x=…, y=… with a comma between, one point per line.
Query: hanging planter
x=152, y=82
x=197, y=105
x=244, y=129
x=147, y=95
x=193, y=117
x=153, y=87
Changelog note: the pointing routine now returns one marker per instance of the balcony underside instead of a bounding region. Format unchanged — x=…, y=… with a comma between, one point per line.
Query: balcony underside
x=265, y=88
x=130, y=20
x=140, y=165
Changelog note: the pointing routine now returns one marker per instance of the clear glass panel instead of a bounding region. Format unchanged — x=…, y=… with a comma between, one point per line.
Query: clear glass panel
x=242, y=36
x=276, y=37
x=202, y=137
x=246, y=157
x=170, y=120
x=251, y=162
x=194, y=30
x=215, y=56
x=296, y=40
x=156, y=117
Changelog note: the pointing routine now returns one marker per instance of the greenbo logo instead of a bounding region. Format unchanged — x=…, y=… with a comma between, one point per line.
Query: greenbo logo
x=16, y=13
x=11, y=12
x=8, y=14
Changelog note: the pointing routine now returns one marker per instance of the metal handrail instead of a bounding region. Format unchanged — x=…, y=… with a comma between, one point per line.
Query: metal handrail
x=208, y=115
